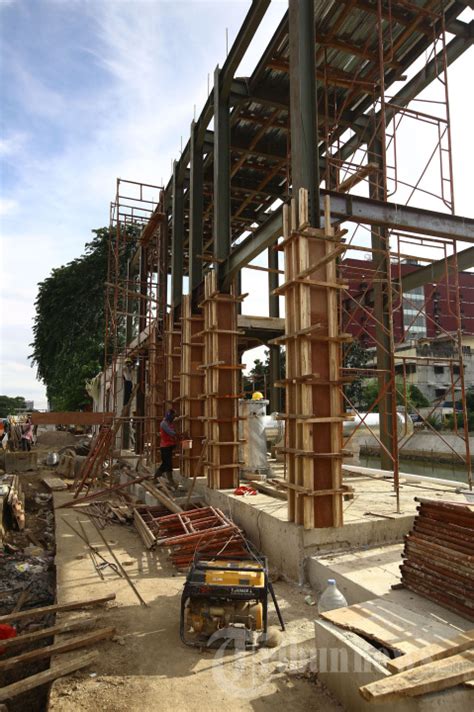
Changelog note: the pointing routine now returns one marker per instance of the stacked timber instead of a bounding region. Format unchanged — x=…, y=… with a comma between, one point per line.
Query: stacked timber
x=439, y=555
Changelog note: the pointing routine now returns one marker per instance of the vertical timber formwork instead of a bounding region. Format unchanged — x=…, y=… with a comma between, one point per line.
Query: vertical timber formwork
x=222, y=385
x=172, y=363
x=155, y=393
x=314, y=412
x=192, y=385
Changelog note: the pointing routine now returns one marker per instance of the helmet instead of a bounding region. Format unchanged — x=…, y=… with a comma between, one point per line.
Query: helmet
x=257, y=395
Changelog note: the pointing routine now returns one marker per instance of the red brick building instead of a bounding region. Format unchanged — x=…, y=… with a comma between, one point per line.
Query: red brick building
x=427, y=311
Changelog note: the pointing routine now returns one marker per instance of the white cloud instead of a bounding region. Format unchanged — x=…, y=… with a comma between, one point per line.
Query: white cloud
x=156, y=56
x=8, y=206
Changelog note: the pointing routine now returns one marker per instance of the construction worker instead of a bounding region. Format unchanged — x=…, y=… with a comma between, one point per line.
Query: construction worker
x=168, y=441
x=257, y=395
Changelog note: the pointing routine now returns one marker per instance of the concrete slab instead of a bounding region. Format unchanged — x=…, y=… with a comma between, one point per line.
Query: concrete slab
x=370, y=519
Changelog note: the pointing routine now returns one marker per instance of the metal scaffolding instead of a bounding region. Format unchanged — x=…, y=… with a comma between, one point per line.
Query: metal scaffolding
x=326, y=115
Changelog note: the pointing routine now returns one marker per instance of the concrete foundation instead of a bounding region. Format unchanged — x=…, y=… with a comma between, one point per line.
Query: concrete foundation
x=370, y=520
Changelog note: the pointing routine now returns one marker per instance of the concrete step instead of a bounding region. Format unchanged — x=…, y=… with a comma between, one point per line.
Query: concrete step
x=360, y=575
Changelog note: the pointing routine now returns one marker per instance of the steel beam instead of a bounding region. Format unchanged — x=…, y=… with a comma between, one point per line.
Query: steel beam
x=177, y=239
x=222, y=207
x=236, y=53
x=240, y=45
x=195, y=211
x=303, y=107
x=353, y=208
x=436, y=271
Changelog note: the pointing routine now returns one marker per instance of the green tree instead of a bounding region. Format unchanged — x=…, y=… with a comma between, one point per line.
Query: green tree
x=11, y=405
x=355, y=356
x=259, y=375
x=414, y=397
x=68, y=344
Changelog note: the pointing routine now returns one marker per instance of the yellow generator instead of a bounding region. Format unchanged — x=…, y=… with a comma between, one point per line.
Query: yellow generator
x=224, y=594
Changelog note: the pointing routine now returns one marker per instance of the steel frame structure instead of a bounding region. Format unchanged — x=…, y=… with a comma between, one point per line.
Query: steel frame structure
x=316, y=114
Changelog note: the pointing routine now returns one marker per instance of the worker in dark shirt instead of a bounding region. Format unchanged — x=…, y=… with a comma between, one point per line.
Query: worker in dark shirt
x=168, y=441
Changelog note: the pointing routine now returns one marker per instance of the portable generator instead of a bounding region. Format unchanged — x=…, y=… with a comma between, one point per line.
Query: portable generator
x=222, y=594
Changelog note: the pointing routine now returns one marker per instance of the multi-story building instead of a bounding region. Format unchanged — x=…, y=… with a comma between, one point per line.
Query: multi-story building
x=425, y=326
x=425, y=312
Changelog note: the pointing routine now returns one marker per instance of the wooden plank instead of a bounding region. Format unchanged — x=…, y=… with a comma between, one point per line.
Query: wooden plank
x=268, y=490
x=65, y=627
x=432, y=677
x=435, y=651
x=71, y=418
x=65, y=646
x=56, y=608
x=41, y=678
x=391, y=624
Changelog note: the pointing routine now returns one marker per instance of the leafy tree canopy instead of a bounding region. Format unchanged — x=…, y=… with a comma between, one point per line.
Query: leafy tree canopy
x=11, y=405
x=68, y=344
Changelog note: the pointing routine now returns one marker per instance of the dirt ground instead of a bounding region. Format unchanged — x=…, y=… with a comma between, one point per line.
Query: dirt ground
x=147, y=667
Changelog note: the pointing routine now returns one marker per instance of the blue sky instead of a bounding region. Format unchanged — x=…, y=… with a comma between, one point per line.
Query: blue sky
x=90, y=90
x=95, y=89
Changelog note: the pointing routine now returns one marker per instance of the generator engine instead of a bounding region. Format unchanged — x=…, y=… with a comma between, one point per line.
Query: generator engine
x=225, y=593
x=203, y=617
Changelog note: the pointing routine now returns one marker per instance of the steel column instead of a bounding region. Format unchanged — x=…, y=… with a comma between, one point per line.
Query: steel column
x=221, y=172
x=177, y=240
x=384, y=344
x=303, y=107
x=195, y=210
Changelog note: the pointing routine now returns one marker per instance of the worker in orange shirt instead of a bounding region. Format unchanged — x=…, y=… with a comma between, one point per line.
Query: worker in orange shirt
x=168, y=441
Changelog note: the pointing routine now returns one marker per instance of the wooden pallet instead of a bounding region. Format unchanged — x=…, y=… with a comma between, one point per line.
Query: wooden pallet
x=313, y=344
x=222, y=385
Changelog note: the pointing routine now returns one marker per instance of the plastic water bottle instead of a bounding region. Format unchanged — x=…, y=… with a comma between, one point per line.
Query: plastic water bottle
x=331, y=598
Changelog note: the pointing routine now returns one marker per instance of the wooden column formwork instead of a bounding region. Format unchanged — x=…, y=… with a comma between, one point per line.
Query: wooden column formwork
x=222, y=385
x=155, y=394
x=192, y=385
x=314, y=412
x=172, y=363
x=172, y=369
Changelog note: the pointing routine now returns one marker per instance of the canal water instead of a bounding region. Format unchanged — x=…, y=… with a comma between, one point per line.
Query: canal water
x=443, y=470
